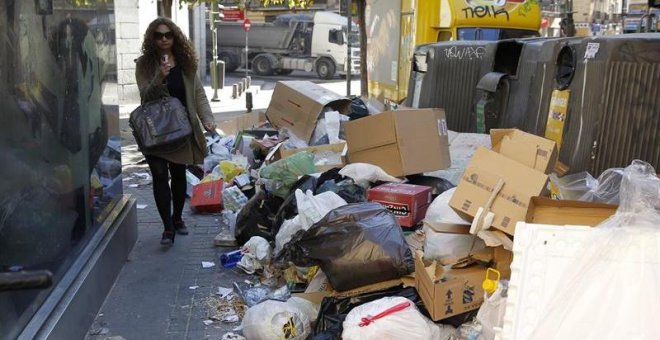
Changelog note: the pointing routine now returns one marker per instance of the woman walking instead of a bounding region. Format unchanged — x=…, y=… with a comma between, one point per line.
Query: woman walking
x=167, y=67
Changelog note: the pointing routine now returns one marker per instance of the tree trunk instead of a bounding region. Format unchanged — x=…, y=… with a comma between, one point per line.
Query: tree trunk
x=167, y=8
x=364, y=79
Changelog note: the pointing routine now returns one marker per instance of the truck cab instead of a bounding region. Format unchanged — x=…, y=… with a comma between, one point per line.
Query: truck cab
x=329, y=43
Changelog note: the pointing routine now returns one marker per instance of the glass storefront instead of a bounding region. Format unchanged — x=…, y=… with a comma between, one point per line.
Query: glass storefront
x=59, y=138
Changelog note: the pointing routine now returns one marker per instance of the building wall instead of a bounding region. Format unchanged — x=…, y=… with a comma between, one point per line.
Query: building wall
x=131, y=25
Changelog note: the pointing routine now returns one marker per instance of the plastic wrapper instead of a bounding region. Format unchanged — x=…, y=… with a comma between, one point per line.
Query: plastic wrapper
x=229, y=170
x=272, y=320
x=211, y=161
x=233, y=198
x=611, y=291
x=256, y=218
x=253, y=295
x=280, y=176
x=363, y=174
x=346, y=189
x=583, y=187
x=355, y=245
x=390, y=318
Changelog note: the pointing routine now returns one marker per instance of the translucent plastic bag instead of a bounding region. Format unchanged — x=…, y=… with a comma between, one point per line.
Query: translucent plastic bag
x=491, y=312
x=276, y=320
x=611, y=291
x=583, y=187
x=283, y=174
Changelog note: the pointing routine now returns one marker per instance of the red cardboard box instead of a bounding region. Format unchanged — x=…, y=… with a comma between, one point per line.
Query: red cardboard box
x=207, y=197
x=408, y=202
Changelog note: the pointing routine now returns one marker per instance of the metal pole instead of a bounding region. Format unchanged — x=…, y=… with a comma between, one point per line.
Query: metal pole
x=214, y=63
x=348, y=44
x=246, y=53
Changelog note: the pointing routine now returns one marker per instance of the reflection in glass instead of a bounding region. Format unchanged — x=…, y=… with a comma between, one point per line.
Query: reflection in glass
x=60, y=148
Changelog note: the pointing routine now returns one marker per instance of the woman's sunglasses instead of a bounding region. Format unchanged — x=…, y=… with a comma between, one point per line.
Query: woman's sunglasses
x=160, y=35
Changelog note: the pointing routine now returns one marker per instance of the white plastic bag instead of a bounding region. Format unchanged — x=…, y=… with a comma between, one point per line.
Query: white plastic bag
x=389, y=318
x=611, y=290
x=311, y=209
x=310, y=309
x=491, y=312
x=440, y=212
x=256, y=254
x=363, y=174
x=271, y=320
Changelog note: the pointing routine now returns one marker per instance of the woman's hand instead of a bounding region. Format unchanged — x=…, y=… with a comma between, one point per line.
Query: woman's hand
x=165, y=68
x=210, y=127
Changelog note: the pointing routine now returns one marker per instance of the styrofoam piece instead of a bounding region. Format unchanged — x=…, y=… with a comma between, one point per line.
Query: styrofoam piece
x=542, y=256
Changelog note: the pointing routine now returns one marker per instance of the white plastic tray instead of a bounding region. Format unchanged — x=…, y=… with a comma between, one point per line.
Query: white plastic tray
x=542, y=254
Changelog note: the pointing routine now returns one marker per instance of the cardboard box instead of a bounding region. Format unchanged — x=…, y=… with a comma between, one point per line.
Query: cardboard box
x=296, y=105
x=531, y=150
x=403, y=142
x=510, y=206
x=207, y=197
x=544, y=210
x=234, y=125
x=407, y=202
x=318, y=151
x=447, y=292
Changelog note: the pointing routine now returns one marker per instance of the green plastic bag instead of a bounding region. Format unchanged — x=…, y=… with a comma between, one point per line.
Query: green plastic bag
x=283, y=174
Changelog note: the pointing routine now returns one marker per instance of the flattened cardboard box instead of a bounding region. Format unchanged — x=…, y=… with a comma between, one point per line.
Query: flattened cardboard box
x=510, y=206
x=531, y=150
x=448, y=292
x=407, y=202
x=544, y=210
x=296, y=105
x=403, y=142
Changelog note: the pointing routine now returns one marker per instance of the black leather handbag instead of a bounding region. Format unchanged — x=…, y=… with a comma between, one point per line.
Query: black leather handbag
x=160, y=124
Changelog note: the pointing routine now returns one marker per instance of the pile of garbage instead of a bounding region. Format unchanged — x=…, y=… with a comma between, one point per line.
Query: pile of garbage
x=357, y=224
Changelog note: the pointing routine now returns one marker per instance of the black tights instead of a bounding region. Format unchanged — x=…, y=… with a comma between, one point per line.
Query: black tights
x=164, y=196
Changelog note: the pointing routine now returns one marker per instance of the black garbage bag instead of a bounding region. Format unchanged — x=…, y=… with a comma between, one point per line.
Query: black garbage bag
x=333, y=311
x=332, y=174
x=289, y=208
x=358, y=109
x=257, y=217
x=346, y=189
x=355, y=245
x=438, y=185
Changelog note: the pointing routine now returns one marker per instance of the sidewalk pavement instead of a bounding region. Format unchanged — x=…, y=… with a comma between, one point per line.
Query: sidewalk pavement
x=162, y=293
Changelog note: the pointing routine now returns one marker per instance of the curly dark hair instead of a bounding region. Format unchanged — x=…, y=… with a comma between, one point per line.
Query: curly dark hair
x=182, y=47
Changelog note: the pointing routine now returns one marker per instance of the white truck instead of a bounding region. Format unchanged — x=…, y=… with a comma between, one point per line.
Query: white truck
x=291, y=42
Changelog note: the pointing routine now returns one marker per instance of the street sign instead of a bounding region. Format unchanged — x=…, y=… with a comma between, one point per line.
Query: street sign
x=247, y=24
x=233, y=14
